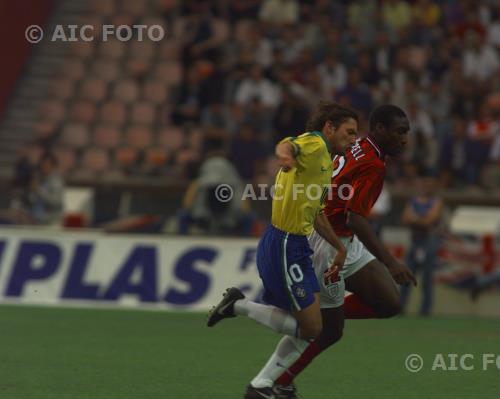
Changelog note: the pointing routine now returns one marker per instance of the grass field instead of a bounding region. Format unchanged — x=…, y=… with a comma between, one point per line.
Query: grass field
x=79, y=353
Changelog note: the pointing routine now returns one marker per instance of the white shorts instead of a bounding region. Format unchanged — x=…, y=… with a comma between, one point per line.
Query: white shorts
x=332, y=294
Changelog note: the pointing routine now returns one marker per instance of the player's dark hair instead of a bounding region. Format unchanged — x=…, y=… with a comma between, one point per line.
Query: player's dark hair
x=329, y=111
x=385, y=115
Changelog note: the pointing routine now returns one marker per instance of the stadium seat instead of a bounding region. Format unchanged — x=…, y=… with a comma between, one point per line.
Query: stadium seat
x=104, y=7
x=44, y=130
x=113, y=113
x=167, y=5
x=82, y=111
x=126, y=159
x=119, y=20
x=126, y=91
x=82, y=49
x=186, y=156
x=112, y=49
x=143, y=113
x=66, y=158
x=107, y=137
x=138, y=137
x=107, y=70
x=169, y=72
x=170, y=50
x=93, y=89
x=154, y=91
x=95, y=160
x=134, y=7
x=53, y=110
x=142, y=50
x=62, y=88
x=73, y=68
x=137, y=68
x=172, y=138
x=155, y=158
x=75, y=135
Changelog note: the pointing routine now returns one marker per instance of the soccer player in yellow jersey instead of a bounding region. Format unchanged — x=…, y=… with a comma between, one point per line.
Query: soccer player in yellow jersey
x=283, y=253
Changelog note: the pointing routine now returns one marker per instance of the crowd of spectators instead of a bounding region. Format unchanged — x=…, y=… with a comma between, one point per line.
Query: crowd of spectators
x=439, y=60
x=239, y=75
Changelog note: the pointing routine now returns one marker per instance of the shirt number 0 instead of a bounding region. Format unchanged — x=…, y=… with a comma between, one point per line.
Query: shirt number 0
x=295, y=273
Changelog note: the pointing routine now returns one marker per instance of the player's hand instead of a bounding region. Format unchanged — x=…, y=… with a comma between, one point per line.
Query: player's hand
x=402, y=274
x=286, y=161
x=339, y=259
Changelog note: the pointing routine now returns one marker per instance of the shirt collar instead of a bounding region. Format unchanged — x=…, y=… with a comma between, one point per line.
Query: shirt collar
x=320, y=134
x=374, y=144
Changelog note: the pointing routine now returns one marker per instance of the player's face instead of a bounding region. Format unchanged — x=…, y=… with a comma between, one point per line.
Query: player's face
x=344, y=137
x=397, y=136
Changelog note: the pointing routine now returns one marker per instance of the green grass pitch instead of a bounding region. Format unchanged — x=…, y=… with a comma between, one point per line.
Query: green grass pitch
x=69, y=353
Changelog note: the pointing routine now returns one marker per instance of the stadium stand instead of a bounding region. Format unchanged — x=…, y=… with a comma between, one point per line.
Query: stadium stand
x=143, y=109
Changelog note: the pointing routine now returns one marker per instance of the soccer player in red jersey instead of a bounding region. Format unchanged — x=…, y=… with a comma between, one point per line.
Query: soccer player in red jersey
x=370, y=271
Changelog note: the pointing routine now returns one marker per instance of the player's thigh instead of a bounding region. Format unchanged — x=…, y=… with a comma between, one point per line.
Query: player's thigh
x=309, y=319
x=374, y=285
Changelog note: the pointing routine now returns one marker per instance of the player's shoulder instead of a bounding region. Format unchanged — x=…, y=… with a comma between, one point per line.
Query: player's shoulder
x=313, y=141
x=365, y=152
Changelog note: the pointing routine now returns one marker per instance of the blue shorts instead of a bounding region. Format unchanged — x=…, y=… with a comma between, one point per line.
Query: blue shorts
x=285, y=267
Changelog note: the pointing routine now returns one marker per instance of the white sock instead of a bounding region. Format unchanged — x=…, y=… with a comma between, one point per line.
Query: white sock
x=270, y=316
x=286, y=353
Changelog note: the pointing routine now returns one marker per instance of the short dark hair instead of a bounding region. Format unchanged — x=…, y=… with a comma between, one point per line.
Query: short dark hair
x=385, y=115
x=329, y=111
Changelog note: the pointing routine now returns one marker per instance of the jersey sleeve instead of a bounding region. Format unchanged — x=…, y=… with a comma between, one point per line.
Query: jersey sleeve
x=306, y=147
x=366, y=188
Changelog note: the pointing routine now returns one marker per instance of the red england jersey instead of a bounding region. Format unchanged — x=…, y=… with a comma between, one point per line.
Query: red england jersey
x=357, y=181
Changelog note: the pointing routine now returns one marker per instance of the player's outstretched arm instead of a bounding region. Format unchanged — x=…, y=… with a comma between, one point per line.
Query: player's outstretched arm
x=286, y=153
x=363, y=229
x=325, y=230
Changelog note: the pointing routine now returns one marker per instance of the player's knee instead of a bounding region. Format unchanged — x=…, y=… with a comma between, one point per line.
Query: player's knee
x=390, y=308
x=331, y=336
x=311, y=331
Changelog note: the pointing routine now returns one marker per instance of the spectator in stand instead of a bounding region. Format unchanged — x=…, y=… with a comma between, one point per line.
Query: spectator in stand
x=257, y=87
x=482, y=132
x=291, y=116
x=480, y=59
x=279, y=11
x=247, y=152
x=44, y=198
x=452, y=154
x=357, y=93
x=397, y=14
x=202, y=204
x=427, y=13
x=423, y=215
x=333, y=73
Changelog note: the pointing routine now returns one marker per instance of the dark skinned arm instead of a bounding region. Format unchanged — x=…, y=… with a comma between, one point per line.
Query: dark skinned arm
x=362, y=228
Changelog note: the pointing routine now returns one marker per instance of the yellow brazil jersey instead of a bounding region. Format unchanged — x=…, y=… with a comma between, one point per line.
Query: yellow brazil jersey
x=300, y=193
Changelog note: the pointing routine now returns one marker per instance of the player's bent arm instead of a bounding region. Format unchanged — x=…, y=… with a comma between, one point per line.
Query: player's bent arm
x=363, y=229
x=324, y=228
x=286, y=152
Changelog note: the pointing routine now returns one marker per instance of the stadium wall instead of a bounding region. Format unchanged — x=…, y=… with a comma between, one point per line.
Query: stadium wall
x=55, y=267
